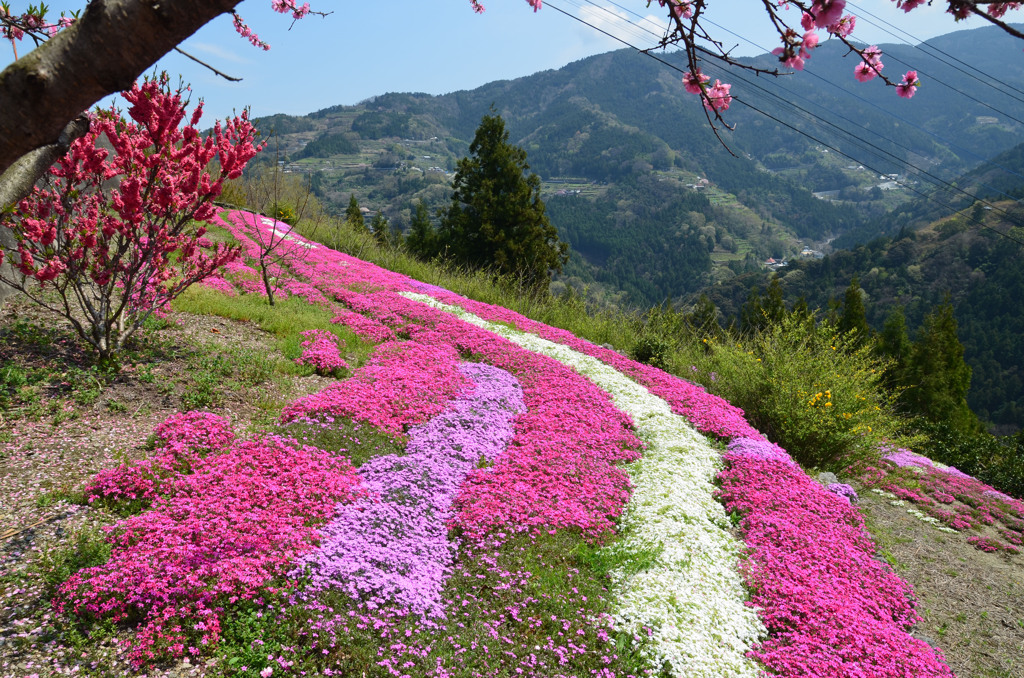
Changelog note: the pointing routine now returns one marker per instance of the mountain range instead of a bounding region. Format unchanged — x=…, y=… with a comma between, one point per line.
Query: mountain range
x=655, y=207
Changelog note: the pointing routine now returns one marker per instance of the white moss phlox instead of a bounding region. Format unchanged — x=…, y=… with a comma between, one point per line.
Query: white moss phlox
x=689, y=593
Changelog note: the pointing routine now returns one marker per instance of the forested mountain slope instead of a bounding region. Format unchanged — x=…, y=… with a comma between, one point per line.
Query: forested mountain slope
x=601, y=150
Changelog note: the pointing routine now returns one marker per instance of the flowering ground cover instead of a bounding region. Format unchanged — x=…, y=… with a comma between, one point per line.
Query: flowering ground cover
x=391, y=548
x=947, y=497
x=536, y=505
x=807, y=546
x=220, y=533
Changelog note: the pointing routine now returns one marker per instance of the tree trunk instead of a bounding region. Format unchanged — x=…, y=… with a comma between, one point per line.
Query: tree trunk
x=112, y=43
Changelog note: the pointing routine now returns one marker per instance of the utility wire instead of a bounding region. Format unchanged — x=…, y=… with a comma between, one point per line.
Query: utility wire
x=791, y=127
x=820, y=121
x=972, y=72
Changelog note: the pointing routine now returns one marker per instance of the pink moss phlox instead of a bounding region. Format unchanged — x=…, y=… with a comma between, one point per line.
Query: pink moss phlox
x=225, y=533
x=321, y=352
x=815, y=582
x=843, y=490
x=709, y=413
x=759, y=448
x=365, y=328
x=983, y=544
x=403, y=384
x=561, y=468
x=182, y=438
x=391, y=550
x=216, y=282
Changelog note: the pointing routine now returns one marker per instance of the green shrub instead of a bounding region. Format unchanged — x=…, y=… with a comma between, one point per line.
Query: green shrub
x=810, y=389
x=653, y=350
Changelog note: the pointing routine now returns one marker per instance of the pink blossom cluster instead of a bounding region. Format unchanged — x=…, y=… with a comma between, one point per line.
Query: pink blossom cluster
x=129, y=245
x=403, y=384
x=185, y=437
x=220, y=535
x=320, y=351
x=814, y=580
x=32, y=22
x=365, y=328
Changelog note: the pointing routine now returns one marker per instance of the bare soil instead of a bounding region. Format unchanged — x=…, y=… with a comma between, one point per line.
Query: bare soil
x=972, y=602
x=67, y=428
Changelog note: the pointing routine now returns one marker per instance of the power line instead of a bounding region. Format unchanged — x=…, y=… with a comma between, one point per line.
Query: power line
x=814, y=119
x=972, y=73
x=952, y=144
x=791, y=127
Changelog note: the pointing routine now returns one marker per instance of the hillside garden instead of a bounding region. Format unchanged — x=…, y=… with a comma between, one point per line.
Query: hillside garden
x=378, y=475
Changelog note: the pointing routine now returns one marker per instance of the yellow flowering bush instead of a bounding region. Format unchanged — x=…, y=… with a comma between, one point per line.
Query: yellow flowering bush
x=814, y=391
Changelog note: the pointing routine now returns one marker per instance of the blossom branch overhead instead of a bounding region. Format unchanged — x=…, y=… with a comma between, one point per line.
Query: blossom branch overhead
x=818, y=20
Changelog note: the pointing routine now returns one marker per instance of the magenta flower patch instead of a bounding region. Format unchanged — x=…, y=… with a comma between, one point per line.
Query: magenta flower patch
x=391, y=548
x=815, y=582
x=320, y=351
x=186, y=438
x=221, y=534
x=403, y=384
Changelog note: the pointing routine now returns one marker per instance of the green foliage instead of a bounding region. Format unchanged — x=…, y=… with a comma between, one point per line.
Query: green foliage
x=284, y=212
x=894, y=345
x=83, y=547
x=652, y=349
x=814, y=391
x=938, y=379
x=326, y=145
x=381, y=229
x=998, y=462
x=354, y=216
x=761, y=313
x=381, y=124
x=854, y=318
x=496, y=218
x=422, y=239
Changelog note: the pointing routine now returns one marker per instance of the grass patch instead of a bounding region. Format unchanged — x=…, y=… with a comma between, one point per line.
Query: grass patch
x=81, y=548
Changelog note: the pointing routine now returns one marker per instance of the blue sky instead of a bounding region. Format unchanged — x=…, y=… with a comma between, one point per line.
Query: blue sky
x=438, y=46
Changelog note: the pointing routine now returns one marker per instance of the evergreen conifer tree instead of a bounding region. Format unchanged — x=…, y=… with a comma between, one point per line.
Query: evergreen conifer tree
x=380, y=229
x=354, y=215
x=422, y=238
x=496, y=219
x=704, y=319
x=938, y=376
x=894, y=345
x=854, y=317
x=758, y=313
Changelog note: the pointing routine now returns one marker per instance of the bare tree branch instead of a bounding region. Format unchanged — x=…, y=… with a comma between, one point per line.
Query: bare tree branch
x=206, y=65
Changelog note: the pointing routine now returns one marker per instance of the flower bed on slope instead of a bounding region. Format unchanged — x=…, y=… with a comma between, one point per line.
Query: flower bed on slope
x=681, y=582
x=391, y=549
x=831, y=608
x=222, y=533
x=559, y=471
x=944, y=496
x=709, y=413
x=862, y=637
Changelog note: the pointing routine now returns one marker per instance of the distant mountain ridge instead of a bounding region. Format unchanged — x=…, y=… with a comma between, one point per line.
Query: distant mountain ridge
x=609, y=128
